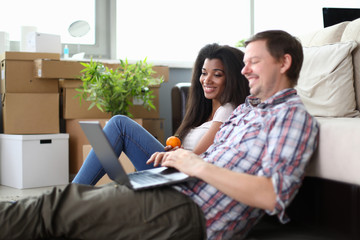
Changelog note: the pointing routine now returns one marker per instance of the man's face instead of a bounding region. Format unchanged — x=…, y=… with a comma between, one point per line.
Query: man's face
x=262, y=71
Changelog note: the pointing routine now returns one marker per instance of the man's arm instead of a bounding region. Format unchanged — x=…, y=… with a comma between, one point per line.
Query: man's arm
x=288, y=143
x=252, y=190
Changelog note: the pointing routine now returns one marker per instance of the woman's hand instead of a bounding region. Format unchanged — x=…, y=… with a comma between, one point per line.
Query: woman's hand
x=172, y=143
x=168, y=148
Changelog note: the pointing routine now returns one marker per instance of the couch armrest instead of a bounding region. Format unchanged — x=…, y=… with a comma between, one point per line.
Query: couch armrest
x=179, y=94
x=338, y=154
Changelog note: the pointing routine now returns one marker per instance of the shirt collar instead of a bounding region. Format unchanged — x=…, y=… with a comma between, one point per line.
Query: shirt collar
x=277, y=98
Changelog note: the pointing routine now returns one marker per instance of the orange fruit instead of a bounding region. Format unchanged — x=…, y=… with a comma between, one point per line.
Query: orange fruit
x=173, y=141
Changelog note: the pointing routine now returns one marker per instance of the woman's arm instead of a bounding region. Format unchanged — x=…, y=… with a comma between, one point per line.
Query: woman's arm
x=207, y=139
x=220, y=116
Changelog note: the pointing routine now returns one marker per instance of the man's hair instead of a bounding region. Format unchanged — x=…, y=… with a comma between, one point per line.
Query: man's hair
x=278, y=44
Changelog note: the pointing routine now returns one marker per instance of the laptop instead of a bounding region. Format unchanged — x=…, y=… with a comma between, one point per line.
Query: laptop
x=149, y=178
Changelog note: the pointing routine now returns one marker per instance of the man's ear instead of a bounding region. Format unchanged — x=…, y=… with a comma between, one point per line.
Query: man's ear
x=286, y=63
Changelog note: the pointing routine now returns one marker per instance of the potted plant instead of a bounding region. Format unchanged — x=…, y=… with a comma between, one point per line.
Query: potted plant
x=113, y=90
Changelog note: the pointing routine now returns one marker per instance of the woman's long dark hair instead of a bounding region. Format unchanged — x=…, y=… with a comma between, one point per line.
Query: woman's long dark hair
x=198, y=108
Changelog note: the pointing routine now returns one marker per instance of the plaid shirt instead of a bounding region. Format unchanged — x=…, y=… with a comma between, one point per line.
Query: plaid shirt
x=275, y=139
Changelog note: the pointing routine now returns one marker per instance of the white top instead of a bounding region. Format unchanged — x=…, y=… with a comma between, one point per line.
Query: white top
x=193, y=137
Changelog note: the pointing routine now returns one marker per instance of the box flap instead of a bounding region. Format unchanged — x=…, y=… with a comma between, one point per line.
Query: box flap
x=49, y=68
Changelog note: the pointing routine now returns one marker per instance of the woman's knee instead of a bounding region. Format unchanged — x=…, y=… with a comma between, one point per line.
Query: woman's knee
x=119, y=119
x=119, y=122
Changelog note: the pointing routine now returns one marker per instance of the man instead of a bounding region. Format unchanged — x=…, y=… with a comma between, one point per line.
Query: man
x=255, y=166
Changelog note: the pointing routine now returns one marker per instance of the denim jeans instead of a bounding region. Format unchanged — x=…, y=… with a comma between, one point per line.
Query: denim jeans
x=125, y=135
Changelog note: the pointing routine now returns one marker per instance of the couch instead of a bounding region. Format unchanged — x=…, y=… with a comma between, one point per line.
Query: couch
x=328, y=204
x=329, y=86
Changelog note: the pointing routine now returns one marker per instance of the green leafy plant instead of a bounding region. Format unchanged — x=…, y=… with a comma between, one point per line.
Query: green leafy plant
x=112, y=90
x=240, y=43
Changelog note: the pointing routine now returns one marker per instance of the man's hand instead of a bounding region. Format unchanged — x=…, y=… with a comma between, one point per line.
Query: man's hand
x=156, y=158
x=183, y=160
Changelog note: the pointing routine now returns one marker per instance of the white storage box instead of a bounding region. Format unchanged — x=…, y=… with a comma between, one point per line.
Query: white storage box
x=43, y=42
x=4, y=42
x=28, y=161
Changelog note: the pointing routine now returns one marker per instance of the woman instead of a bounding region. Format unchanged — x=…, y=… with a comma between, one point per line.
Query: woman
x=217, y=87
x=199, y=126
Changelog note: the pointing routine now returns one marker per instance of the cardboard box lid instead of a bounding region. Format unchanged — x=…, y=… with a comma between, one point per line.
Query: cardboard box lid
x=28, y=56
x=70, y=69
x=70, y=83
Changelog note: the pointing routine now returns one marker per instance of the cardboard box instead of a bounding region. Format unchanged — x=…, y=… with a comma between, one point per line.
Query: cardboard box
x=155, y=127
x=72, y=109
x=78, y=139
x=138, y=110
x=123, y=159
x=43, y=42
x=45, y=68
x=30, y=113
x=162, y=71
x=29, y=161
x=17, y=73
x=1, y=117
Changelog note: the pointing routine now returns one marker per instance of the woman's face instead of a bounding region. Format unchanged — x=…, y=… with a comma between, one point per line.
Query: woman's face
x=212, y=78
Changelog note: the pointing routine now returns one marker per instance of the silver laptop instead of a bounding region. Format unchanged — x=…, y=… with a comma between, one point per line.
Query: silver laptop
x=138, y=180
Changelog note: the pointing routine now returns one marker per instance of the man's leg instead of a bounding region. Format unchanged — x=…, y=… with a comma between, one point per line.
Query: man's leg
x=107, y=212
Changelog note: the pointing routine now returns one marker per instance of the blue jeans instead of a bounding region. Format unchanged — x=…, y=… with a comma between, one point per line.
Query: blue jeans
x=125, y=135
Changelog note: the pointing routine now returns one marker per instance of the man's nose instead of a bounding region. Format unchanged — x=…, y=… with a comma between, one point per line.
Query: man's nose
x=245, y=69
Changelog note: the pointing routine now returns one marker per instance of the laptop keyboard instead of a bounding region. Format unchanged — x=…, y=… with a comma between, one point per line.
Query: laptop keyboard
x=146, y=177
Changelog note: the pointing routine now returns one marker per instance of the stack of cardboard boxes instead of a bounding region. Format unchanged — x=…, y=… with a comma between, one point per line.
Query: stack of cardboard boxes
x=68, y=73
x=29, y=105
x=33, y=153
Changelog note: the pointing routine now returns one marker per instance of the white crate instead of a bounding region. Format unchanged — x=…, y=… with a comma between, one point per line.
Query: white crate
x=28, y=161
x=43, y=42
